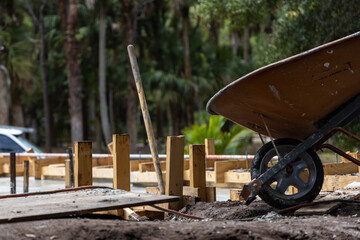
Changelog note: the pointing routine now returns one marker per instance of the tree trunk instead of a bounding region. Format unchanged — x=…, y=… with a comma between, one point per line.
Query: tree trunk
x=48, y=136
x=17, y=116
x=129, y=19
x=159, y=122
x=40, y=24
x=246, y=44
x=187, y=64
x=69, y=24
x=105, y=123
x=235, y=42
x=111, y=109
x=214, y=32
x=175, y=118
x=4, y=97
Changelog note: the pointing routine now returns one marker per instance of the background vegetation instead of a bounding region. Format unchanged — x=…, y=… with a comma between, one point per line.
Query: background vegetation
x=64, y=68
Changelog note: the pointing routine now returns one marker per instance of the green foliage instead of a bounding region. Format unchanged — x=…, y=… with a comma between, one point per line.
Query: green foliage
x=240, y=12
x=226, y=142
x=278, y=29
x=303, y=24
x=347, y=143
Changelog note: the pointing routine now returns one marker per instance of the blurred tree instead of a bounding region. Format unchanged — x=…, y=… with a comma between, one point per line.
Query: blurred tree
x=69, y=25
x=38, y=22
x=4, y=95
x=16, y=55
x=303, y=24
x=105, y=122
x=130, y=27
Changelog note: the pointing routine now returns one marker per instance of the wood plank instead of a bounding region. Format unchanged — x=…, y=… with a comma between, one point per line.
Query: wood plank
x=237, y=177
x=235, y=195
x=174, y=169
x=67, y=174
x=210, y=176
x=83, y=164
x=223, y=166
x=71, y=203
x=19, y=169
x=335, y=182
x=190, y=191
x=42, y=162
x=149, y=166
x=53, y=171
x=210, y=194
x=31, y=162
x=319, y=209
x=340, y=168
x=197, y=169
x=134, y=164
x=153, y=190
x=121, y=161
x=129, y=214
x=210, y=150
x=152, y=214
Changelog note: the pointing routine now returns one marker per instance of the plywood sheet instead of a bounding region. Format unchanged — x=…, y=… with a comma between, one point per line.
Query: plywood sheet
x=70, y=203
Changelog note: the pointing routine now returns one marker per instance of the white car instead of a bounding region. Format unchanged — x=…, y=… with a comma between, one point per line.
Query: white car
x=11, y=140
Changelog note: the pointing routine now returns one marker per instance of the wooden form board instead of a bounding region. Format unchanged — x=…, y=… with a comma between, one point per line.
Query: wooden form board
x=71, y=203
x=340, y=168
x=83, y=164
x=197, y=169
x=347, y=193
x=335, y=182
x=174, y=169
x=149, y=166
x=235, y=195
x=223, y=166
x=121, y=161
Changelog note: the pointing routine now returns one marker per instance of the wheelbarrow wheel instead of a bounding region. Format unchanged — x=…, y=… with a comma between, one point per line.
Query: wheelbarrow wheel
x=299, y=182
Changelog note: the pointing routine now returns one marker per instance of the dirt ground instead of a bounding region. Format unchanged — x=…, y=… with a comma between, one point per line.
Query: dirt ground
x=223, y=220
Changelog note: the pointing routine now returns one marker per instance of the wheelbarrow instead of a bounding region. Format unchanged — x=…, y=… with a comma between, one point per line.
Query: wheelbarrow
x=299, y=102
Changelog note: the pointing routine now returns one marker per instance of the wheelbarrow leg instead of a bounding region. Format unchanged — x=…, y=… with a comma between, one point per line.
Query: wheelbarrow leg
x=251, y=190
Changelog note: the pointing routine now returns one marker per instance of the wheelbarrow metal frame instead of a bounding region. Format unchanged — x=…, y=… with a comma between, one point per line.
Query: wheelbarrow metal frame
x=348, y=112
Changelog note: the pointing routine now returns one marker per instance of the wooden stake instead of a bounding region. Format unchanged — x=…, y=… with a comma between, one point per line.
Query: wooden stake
x=12, y=173
x=146, y=116
x=26, y=176
x=209, y=146
x=67, y=174
x=121, y=161
x=197, y=169
x=210, y=194
x=83, y=164
x=71, y=168
x=175, y=169
x=209, y=150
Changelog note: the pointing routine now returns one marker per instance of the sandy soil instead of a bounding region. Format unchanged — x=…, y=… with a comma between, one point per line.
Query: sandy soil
x=223, y=220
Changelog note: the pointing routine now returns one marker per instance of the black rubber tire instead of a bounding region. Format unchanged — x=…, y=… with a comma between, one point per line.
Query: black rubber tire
x=278, y=199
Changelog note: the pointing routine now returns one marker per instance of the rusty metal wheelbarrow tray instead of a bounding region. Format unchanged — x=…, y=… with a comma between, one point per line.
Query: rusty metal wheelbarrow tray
x=304, y=97
x=295, y=94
